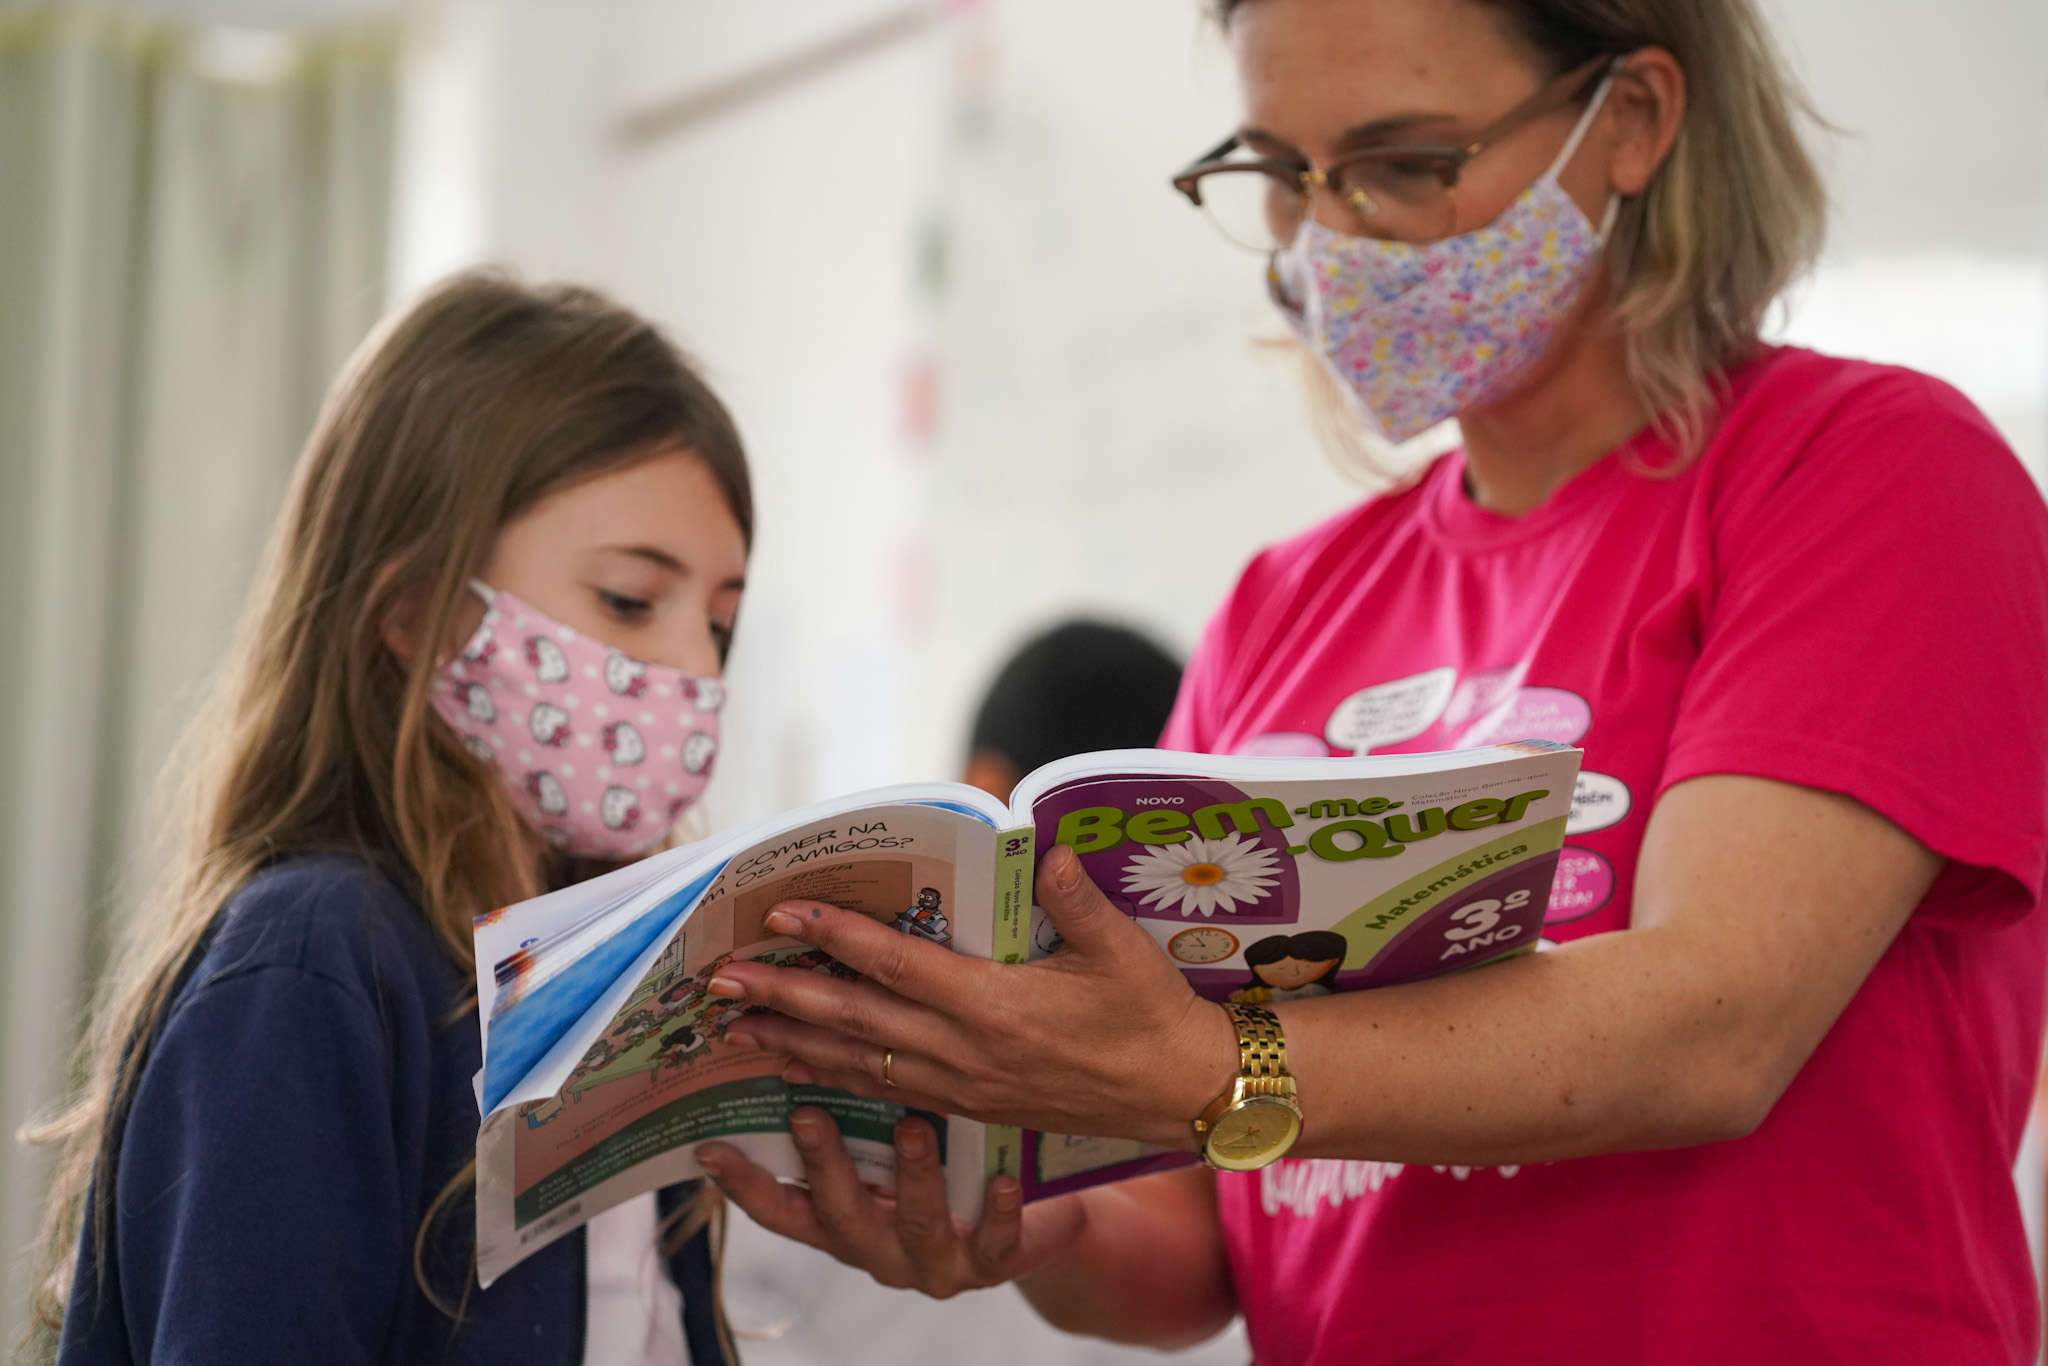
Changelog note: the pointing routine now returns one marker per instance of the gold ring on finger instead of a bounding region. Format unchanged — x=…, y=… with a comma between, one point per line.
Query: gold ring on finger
x=888, y=1058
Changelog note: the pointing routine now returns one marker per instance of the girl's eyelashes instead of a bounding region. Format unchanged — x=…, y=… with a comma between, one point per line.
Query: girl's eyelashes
x=721, y=636
x=625, y=608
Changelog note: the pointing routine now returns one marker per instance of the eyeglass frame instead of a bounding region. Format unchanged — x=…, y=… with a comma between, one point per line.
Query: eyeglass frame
x=1447, y=160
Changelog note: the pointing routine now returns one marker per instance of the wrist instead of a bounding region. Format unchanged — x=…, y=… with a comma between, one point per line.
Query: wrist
x=1207, y=1067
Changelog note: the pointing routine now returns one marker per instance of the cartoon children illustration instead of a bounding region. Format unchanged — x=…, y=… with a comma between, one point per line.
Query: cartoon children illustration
x=680, y=1043
x=1291, y=967
x=925, y=919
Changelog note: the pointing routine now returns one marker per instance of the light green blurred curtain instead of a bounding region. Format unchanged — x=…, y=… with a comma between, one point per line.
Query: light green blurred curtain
x=193, y=235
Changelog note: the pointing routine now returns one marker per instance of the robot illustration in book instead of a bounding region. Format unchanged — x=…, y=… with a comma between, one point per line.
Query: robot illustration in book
x=927, y=920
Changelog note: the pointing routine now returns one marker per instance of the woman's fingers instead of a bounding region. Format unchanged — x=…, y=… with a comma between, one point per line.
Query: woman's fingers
x=1081, y=913
x=774, y=1205
x=912, y=1241
x=903, y=963
x=857, y=1226
x=860, y=1010
x=820, y=1057
x=923, y=1220
x=992, y=1250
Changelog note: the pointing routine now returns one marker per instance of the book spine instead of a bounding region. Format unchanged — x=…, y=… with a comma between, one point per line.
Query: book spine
x=1014, y=865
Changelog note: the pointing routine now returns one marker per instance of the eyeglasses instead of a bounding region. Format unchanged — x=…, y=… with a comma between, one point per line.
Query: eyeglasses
x=1401, y=193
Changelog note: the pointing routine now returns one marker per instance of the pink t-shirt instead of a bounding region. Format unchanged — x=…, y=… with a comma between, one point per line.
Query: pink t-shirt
x=1848, y=590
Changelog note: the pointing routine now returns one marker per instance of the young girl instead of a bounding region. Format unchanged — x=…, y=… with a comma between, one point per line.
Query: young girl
x=271, y=1159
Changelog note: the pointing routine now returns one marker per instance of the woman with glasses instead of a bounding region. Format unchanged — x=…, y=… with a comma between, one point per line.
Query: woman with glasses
x=1762, y=1100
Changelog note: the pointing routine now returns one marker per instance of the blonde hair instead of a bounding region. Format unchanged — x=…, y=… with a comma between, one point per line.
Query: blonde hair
x=457, y=415
x=1736, y=212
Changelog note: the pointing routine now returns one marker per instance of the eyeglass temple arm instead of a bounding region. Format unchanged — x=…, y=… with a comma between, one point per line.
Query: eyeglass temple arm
x=1573, y=84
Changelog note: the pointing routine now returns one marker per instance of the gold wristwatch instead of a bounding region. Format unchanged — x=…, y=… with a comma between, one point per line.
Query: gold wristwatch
x=1257, y=1120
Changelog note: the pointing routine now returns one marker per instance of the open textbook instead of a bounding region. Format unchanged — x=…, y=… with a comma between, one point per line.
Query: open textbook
x=1264, y=879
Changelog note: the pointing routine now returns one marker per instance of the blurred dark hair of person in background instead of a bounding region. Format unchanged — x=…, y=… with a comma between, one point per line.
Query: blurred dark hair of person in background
x=1079, y=687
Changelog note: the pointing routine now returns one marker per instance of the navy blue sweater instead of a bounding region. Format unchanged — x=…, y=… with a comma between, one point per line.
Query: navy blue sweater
x=306, y=1098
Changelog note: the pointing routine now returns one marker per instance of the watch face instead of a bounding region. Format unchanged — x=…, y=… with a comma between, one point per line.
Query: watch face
x=1202, y=944
x=1254, y=1134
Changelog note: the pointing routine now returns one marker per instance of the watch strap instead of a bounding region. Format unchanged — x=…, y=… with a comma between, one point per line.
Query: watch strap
x=1261, y=1063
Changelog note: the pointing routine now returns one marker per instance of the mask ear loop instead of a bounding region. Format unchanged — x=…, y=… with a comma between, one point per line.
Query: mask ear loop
x=484, y=591
x=1571, y=144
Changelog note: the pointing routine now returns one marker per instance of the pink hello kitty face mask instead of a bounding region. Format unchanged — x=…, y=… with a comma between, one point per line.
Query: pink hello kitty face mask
x=598, y=751
x=1420, y=331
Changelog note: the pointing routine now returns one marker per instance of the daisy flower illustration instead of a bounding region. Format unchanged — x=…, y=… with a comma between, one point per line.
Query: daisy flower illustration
x=1203, y=875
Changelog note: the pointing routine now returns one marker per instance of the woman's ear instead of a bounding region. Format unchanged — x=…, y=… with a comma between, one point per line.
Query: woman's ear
x=1648, y=100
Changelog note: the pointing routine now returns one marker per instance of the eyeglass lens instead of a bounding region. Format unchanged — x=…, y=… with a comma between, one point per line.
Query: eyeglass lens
x=1400, y=199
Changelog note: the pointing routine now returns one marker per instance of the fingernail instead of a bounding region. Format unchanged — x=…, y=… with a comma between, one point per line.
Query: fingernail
x=726, y=987
x=736, y=1039
x=796, y=1074
x=913, y=1141
x=1005, y=1194
x=1067, y=875
x=782, y=922
x=803, y=1131
x=713, y=1161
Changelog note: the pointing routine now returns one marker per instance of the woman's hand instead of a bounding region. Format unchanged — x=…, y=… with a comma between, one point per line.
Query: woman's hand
x=907, y=1239
x=1105, y=1037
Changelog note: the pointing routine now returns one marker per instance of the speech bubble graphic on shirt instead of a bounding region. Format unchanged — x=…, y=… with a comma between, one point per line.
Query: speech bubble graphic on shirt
x=1584, y=884
x=1479, y=695
x=1388, y=713
x=1555, y=714
x=1284, y=744
x=1598, y=801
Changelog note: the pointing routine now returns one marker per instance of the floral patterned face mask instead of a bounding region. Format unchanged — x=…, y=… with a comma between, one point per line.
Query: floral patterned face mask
x=598, y=751
x=1418, y=332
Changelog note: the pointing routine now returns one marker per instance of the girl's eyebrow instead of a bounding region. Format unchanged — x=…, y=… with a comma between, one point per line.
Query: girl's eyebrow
x=659, y=558
x=663, y=560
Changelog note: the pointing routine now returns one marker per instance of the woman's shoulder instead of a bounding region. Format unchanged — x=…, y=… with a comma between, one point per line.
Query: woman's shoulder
x=330, y=916
x=1789, y=407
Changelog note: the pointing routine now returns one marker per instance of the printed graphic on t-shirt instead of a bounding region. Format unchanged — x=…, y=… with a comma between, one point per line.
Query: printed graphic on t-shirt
x=1305, y=1186
x=1598, y=801
x=1555, y=714
x=1388, y=713
x=1284, y=744
x=1584, y=884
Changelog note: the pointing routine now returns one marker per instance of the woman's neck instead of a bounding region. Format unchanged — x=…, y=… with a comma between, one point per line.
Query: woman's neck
x=1578, y=406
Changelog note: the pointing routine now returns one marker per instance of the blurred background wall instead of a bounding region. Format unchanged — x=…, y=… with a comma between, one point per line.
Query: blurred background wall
x=991, y=370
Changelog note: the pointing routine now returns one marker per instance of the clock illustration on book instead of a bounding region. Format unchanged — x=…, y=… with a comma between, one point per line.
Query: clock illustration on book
x=1202, y=944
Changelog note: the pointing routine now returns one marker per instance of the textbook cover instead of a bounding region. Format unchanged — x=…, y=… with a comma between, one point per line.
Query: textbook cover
x=1262, y=879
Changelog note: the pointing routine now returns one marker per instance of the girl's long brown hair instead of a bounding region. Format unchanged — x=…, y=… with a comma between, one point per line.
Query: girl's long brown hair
x=456, y=416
